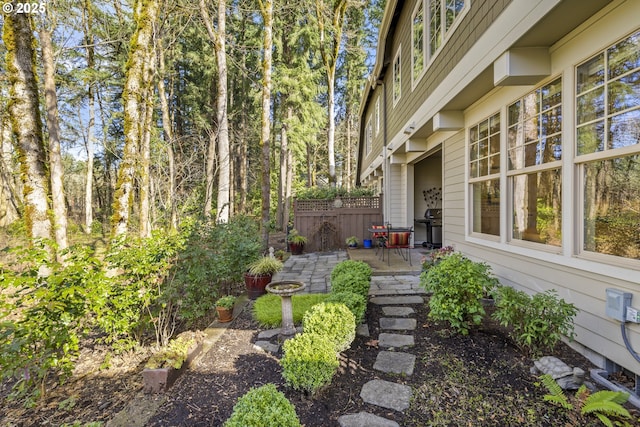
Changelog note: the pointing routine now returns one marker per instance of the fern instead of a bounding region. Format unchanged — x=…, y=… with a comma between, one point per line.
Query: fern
x=556, y=394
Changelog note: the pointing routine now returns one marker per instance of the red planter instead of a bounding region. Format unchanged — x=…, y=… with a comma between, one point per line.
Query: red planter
x=256, y=284
x=296, y=248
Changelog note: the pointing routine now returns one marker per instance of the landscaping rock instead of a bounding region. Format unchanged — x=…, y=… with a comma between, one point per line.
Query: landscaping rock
x=392, y=323
x=398, y=311
x=267, y=346
x=567, y=378
x=395, y=340
x=395, y=362
x=398, y=300
x=386, y=394
x=365, y=419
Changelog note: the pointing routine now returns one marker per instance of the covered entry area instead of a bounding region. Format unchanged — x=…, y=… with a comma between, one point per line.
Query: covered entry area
x=427, y=196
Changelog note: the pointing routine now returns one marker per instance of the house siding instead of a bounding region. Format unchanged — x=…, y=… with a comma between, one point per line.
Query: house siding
x=453, y=189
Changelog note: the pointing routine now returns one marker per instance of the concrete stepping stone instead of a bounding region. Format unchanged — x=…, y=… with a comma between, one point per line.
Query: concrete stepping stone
x=395, y=340
x=365, y=419
x=398, y=300
x=269, y=333
x=396, y=324
x=363, y=330
x=398, y=311
x=386, y=394
x=267, y=346
x=395, y=362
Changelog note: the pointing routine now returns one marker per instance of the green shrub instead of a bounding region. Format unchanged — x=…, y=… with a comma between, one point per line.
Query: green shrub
x=435, y=256
x=267, y=309
x=351, y=282
x=350, y=266
x=355, y=302
x=333, y=320
x=262, y=407
x=458, y=284
x=537, y=323
x=309, y=362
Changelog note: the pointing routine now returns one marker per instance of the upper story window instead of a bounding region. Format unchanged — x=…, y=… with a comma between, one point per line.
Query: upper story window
x=534, y=151
x=377, y=116
x=484, y=175
x=397, y=80
x=418, y=51
x=608, y=149
x=442, y=17
x=368, y=137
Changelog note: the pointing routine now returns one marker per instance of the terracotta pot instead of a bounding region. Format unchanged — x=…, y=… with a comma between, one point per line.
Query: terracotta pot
x=256, y=284
x=296, y=248
x=224, y=314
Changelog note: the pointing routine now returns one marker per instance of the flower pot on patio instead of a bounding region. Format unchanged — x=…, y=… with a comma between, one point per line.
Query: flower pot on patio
x=259, y=275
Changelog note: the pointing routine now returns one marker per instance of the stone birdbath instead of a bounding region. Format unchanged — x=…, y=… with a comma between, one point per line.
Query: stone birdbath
x=285, y=289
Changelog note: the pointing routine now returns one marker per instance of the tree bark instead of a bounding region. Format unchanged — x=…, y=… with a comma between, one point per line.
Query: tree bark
x=88, y=191
x=9, y=201
x=26, y=123
x=55, y=158
x=138, y=80
x=266, y=8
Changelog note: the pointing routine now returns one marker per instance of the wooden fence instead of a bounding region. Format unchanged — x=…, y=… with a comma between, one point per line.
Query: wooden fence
x=327, y=223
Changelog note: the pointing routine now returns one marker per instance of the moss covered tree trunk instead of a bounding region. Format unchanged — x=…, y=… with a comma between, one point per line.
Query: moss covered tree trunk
x=266, y=8
x=9, y=200
x=26, y=123
x=135, y=98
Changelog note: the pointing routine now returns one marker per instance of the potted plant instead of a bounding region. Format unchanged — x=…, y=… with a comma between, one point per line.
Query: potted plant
x=296, y=242
x=352, y=241
x=224, y=306
x=259, y=275
x=279, y=254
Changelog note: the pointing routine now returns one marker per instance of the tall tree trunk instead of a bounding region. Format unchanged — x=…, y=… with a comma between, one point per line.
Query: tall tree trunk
x=282, y=177
x=138, y=80
x=88, y=191
x=55, y=158
x=266, y=8
x=145, y=167
x=168, y=137
x=218, y=37
x=26, y=123
x=9, y=201
x=288, y=187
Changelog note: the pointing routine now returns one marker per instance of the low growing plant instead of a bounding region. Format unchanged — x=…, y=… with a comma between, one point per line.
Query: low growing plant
x=537, y=322
x=267, y=309
x=261, y=407
x=606, y=405
x=309, y=362
x=351, y=282
x=353, y=267
x=458, y=284
x=435, y=256
x=333, y=320
x=355, y=302
x=226, y=301
x=173, y=355
x=265, y=265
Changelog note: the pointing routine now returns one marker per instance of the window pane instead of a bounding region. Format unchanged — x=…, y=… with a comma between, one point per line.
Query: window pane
x=591, y=105
x=435, y=26
x=531, y=154
x=418, y=41
x=514, y=113
x=624, y=93
x=591, y=138
x=494, y=164
x=551, y=122
x=473, y=152
x=537, y=207
x=591, y=74
x=624, y=56
x=494, y=144
x=612, y=207
x=453, y=9
x=551, y=94
x=624, y=129
x=486, y=207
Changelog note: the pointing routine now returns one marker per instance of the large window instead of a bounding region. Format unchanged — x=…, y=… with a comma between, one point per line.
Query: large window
x=608, y=148
x=377, y=116
x=418, y=48
x=484, y=175
x=397, y=81
x=534, y=155
x=368, y=137
x=442, y=16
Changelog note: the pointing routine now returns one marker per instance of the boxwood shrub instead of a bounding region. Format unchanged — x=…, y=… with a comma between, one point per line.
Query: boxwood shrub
x=309, y=362
x=355, y=302
x=333, y=320
x=351, y=282
x=263, y=406
x=351, y=266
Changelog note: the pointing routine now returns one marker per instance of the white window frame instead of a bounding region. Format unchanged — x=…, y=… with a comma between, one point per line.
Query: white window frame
x=397, y=76
x=378, y=116
x=415, y=77
x=445, y=33
x=368, y=137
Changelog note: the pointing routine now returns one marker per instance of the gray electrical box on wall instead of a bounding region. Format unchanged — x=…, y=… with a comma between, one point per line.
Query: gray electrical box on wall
x=617, y=303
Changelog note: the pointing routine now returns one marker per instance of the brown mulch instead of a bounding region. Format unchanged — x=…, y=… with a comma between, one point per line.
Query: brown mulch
x=476, y=380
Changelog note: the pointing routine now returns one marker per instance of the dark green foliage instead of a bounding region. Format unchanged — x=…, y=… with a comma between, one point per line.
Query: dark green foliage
x=355, y=302
x=261, y=407
x=354, y=267
x=537, y=322
x=333, y=320
x=458, y=284
x=330, y=193
x=309, y=362
x=351, y=282
x=44, y=314
x=605, y=404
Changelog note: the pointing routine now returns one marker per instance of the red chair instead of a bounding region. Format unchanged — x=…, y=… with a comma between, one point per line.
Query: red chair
x=379, y=236
x=398, y=240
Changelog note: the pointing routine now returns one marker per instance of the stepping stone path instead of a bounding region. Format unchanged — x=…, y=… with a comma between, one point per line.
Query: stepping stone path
x=395, y=334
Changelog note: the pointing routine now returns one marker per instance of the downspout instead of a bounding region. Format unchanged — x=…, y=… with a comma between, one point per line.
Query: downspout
x=385, y=168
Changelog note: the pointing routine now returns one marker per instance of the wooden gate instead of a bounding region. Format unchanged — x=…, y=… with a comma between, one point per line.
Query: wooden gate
x=327, y=223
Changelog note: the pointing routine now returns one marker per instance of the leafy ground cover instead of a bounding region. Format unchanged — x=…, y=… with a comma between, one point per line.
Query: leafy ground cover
x=477, y=380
